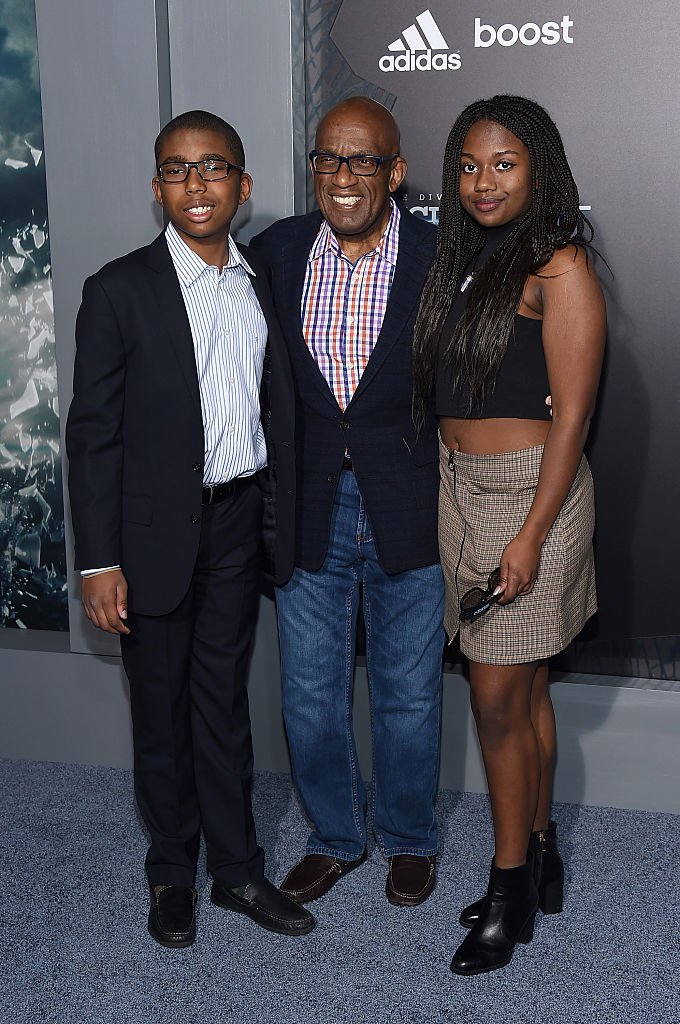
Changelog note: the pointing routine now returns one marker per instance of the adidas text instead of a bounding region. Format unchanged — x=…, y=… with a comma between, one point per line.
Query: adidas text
x=423, y=61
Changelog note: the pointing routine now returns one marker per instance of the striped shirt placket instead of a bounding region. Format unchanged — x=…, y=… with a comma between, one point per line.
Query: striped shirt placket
x=347, y=386
x=229, y=332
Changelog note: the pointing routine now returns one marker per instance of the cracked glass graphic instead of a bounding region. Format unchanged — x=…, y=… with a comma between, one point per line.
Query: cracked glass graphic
x=32, y=553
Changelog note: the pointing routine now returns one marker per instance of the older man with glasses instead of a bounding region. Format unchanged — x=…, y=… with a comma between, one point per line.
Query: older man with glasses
x=346, y=282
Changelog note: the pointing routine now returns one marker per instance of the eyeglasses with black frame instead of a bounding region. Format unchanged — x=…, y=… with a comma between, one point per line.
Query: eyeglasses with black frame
x=361, y=165
x=476, y=602
x=177, y=171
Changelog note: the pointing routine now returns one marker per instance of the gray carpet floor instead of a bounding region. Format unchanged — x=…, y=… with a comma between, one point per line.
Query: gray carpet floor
x=75, y=947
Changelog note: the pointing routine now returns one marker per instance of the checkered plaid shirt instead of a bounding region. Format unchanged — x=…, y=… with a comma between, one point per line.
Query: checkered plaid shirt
x=343, y=305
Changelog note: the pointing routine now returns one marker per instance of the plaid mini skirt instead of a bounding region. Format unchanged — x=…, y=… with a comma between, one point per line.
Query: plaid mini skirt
x=483, y=503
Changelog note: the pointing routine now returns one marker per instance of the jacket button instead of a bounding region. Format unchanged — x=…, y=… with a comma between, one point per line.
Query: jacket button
x=331, y=478
x=195, y=519
x=197, y=467
x=345, y=425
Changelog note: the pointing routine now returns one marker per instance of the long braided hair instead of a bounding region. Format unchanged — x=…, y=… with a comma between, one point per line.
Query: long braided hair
x=552, y=221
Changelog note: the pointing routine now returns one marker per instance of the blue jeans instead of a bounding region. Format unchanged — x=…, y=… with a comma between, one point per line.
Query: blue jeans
x=403, y=614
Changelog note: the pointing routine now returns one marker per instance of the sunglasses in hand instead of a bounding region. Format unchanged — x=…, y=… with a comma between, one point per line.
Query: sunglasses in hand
x=476, y=602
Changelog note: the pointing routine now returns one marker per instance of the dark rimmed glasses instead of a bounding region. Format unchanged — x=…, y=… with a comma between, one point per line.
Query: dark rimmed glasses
x=476, y=602
x=208, y=170
x=361, y=165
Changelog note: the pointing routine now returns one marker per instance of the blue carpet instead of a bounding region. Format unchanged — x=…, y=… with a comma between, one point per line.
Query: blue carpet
x=76, y=950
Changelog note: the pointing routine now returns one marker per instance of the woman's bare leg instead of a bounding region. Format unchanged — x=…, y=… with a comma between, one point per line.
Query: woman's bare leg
x=543, y=719
x=501, y=698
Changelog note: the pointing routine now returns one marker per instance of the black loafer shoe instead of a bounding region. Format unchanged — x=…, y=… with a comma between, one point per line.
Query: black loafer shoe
x=268, y=907
x=172, y=915
x=410, y=880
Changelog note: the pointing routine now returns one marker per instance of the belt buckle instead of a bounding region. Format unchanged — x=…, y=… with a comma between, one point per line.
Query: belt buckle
x=211, y=489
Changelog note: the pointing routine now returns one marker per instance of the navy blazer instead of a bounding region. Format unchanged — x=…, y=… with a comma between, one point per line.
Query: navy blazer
x=396, y=470
x=134, y=433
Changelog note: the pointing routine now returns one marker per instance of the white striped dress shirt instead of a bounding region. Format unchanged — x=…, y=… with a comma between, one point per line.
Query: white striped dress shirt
x=230, y=334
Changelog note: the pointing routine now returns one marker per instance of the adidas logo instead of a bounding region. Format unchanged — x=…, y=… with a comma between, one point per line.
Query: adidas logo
x=420, y=47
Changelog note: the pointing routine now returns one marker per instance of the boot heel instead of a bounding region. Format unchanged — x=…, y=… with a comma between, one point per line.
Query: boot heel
x=549, y=869
x=551, y=896
x=527, y=933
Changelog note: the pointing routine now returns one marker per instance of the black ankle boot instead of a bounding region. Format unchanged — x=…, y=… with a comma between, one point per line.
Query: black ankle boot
x=507, y=918
x=548, y=875
x=549, y=869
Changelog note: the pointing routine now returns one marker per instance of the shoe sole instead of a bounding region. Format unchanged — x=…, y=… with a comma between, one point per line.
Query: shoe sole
x=171, y=943
x=409, y=901
x=298, y=895
x=480, y=970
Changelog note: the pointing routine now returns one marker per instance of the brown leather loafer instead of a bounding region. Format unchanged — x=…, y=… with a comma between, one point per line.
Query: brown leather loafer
x=315, y=874
x=410, y=880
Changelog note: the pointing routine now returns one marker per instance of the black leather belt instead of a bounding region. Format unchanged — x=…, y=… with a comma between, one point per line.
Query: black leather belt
x=347, y=463
x=212, y=493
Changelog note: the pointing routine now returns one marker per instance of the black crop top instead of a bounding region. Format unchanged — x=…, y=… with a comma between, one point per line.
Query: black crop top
x=521, y=384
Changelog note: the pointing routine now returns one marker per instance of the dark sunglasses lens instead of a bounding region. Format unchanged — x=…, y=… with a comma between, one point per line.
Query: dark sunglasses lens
x=477, y=601
x=472, y=600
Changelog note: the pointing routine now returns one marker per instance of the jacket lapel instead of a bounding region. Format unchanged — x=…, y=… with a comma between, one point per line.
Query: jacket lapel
x=264, y=297
x=261, y=289
x=413, y=262
x=172, y=313
x=293, y=268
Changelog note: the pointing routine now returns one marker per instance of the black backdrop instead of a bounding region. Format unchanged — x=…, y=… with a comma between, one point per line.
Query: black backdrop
x=606, y=74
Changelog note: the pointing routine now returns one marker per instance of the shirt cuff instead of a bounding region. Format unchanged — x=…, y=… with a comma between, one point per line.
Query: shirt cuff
x=95, y=572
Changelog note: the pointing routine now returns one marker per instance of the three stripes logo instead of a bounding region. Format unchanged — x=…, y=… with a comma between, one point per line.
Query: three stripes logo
x=420, y=47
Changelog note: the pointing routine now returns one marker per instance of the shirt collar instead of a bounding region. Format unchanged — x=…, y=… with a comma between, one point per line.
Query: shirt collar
x=189, y=266
x=387, y=248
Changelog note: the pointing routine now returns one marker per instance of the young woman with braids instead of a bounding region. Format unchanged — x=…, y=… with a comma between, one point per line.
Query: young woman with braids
x=512, y=311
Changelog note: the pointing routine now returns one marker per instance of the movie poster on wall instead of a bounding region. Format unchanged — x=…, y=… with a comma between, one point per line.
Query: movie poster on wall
x=590, y=65
x=32, y=552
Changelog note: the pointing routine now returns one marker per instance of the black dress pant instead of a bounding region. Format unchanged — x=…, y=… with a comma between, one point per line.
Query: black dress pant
x=191, y=725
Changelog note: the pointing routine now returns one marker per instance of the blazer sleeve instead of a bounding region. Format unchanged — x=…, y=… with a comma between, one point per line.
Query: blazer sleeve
x=94, y=431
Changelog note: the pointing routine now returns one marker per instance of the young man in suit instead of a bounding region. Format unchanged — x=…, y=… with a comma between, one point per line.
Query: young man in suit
x=346, y=282
x=165, y=442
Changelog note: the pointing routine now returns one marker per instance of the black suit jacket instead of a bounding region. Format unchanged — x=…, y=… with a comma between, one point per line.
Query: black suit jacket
x=397, y=471
x=134, y=434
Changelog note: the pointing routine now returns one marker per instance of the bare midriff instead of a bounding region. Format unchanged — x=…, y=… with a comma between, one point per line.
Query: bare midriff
x=493, y=436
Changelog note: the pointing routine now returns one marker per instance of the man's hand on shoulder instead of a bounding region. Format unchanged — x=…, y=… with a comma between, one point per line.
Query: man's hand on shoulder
x=104, y=598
